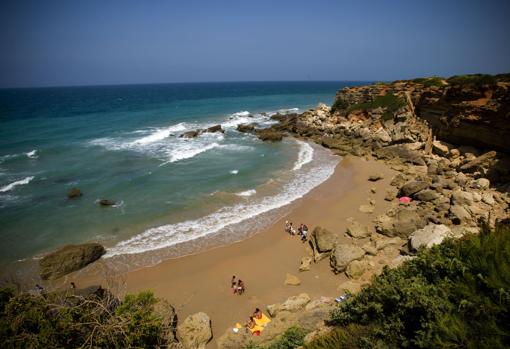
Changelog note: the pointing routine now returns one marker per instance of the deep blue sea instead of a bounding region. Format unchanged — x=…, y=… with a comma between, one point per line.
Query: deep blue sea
x=122, y=143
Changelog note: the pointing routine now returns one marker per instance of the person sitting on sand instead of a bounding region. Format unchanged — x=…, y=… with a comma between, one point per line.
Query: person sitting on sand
x=257, y=313
x=287, y=226
x=260, y=319
x=73, y=285
x=252, y=327
x=240, y=287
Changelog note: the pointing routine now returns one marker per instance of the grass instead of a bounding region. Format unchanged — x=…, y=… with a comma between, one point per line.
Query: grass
x=430, y=81
x=390, y=102
x=472, y=79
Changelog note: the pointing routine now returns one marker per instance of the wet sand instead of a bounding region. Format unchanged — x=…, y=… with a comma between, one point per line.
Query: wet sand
x=201, y=282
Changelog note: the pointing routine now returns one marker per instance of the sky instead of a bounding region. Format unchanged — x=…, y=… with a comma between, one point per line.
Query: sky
x=68, y=42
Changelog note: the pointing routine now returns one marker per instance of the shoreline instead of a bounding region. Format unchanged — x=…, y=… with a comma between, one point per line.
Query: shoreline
x=201, y=281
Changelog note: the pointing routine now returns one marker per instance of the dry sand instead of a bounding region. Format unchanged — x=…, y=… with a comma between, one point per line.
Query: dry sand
x=201, y=282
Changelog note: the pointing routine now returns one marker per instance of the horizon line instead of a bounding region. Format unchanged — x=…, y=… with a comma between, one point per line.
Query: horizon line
x=176, y=83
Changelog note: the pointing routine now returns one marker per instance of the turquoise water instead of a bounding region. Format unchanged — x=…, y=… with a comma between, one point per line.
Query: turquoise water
x=122, y=143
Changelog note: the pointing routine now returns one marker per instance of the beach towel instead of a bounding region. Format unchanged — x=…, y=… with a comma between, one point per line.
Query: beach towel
x=263, y=321
x=256, y=330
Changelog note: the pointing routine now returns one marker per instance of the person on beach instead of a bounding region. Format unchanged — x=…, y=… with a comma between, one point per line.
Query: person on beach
x=292, y=231
x=252, y=327
x=240, y=287
x=303, y=232
x=287, y=226
x=257, y=313
x=233, y=285
x=73, y=285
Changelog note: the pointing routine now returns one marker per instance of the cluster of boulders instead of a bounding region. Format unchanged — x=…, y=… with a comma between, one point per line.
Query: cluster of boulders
x=198, y=132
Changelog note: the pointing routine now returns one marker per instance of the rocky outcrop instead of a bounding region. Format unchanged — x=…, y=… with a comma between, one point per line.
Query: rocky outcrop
x=195, y=331
x=322, y=242
x=246, y=128
x=430, y=235
x=400, y=222
x=269, y=135
x=215, y=128
x=357, y=230
x=343, y=254
x=191, y=134
x=69, y=259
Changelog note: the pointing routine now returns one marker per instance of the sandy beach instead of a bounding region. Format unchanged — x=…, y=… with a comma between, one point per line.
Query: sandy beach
x=201, y=282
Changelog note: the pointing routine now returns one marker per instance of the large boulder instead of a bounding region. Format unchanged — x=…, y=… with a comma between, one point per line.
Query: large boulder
x=269, y=135
x=479, y=163
x=324, y=239
x=246, y=128
x=460, y=197
x=399, y=151
x=68, y=259
x=356, y=269
x=401, y=223
x=426, y=195
x=459, y=214
x=430, y=235
x=343, y=254
x=357, y=230
x=292, y=304
x=215, y=128
x=413, y=187
x=191, y=134
x=195, y=331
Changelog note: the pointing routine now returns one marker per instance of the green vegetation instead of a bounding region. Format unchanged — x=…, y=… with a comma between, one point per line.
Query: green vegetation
x=69, y=321
x=291, y=338
x=339, y=104
x=472, y=79
x=389, y=101
x=455, y=295
x=430, y=81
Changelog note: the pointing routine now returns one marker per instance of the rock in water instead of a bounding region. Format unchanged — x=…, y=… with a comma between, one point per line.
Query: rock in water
x=215, y=128
x=292, y=280
x=195, y=331
x=343, y=254
x=432, y=234
x=69, y=259
x=246, y=128
x=269, y=135
x=191, y=134
x=106, y=202
x=74, y=193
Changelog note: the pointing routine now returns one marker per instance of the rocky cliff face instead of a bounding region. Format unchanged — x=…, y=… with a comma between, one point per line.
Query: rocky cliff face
x=467, y=111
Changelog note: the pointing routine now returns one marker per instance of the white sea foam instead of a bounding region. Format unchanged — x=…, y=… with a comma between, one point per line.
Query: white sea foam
x=234, y=172
x=247, y=193
x=12, y=185
x=171, y=234
x=160, y=134
x=32, y=154
x=305, y=155
x=191, y=151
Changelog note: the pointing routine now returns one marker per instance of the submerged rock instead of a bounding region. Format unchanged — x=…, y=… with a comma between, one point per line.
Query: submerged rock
x=106, y=202
x=74, y=193
x=68, y=259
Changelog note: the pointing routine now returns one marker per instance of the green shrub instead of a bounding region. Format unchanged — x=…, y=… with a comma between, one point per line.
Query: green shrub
x=389, y=101
x=430, y=81
x=339, y=104
x=472, y=79
x=68, y=321
x=291, y=338
x=456, y=294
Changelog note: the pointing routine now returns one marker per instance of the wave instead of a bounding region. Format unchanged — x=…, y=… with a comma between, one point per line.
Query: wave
x=32, y=154
x=12, y=185
x=305, y=155
x=172, y=234
x=160, y=134
x=191, y=151
x=247, y=193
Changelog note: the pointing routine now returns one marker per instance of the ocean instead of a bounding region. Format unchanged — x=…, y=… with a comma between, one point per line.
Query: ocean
x=122, y=143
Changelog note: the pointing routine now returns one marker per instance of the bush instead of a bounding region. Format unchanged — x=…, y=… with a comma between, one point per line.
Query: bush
x=389, y=101
x=339, y=104
x=69, y=321
x=472, y=79
x=431, y=81
x=456, y=294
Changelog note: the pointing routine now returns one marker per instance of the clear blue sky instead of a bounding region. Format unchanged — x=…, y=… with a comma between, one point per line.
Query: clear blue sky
x=48, y=43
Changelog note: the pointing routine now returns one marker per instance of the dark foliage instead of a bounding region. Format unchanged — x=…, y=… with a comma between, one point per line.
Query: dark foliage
x=455, y=295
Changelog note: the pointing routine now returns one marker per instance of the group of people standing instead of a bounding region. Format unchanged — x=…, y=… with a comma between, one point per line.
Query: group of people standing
x=302, y=230
x=237, y=286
